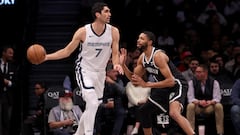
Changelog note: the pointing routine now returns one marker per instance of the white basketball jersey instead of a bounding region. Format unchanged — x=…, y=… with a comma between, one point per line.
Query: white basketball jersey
x=96, y=50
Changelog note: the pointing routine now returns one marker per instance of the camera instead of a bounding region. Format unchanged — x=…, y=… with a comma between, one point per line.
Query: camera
x=72, y=129
x=74, y=126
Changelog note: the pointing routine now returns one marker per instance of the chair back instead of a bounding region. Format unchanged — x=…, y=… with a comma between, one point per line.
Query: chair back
x=78, y=99
x=51, y=96
x=51, y=99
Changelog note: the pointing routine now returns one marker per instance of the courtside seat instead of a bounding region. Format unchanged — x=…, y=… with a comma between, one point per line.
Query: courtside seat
x=51, y=97
x=77, y=98
x=208, y=120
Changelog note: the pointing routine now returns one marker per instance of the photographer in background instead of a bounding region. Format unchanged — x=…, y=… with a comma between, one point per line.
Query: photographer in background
x=63, y=119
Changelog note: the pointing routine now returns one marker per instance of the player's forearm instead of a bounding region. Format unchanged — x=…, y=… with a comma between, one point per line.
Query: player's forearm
x=161, y=84
x=60, y=54
x=115, y=57
x=127, y=72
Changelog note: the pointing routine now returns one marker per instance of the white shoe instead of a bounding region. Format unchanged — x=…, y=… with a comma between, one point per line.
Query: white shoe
x=134, y=131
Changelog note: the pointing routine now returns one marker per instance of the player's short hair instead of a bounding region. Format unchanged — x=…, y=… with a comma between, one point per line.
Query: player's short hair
x=150, y=35
x=97, y=7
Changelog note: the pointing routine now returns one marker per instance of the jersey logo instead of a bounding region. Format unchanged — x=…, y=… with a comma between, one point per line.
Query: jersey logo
x=162, y=119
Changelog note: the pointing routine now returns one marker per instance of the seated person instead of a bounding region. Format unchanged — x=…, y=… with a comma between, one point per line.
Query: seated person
x=36, y=119
x=235, y=110
x=63, y=119
x=204, y=98
x=111, y=112
x=224, y=79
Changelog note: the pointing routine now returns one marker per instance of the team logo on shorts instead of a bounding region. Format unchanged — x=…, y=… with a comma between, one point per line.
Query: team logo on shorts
x=162, y=119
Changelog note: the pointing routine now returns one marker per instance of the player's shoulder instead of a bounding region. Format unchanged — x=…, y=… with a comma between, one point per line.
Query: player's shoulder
x=160, y=54
x=114, y=28
x=81, y=30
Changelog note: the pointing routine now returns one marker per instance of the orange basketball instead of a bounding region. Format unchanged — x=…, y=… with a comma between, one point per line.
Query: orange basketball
x=36, y=54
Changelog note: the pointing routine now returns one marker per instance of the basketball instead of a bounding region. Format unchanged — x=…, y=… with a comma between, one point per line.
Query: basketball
x=36, y=54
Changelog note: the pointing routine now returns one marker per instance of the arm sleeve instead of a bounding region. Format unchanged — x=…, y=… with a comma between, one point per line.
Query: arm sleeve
x=216, y=92
x=190, y=94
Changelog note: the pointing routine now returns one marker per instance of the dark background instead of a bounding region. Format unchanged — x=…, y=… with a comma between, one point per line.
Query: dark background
x=53, y=22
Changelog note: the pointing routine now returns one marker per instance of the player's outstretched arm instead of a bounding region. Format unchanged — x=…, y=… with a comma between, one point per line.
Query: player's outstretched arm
x=78, y=37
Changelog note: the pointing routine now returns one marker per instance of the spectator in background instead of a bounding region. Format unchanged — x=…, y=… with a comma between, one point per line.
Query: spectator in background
x=210, y=12
x=8, y=78
x=204, y=97
x=232, y=7
x=224, y=78
x=216, y=46
x=221, y=76
x=228, y=50
x=64, y=118
x=133, y=118
x=235, y=110
x=236, y=67
x=36, y=120
x=230, y=63
x=189, y=73
x=135, y=100
x=184, y=60
x=111, y=112
x=69, y=82
x=165, y=39
x=219, y=58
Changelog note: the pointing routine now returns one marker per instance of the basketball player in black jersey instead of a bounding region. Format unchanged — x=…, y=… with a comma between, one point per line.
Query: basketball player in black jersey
x=168, y=88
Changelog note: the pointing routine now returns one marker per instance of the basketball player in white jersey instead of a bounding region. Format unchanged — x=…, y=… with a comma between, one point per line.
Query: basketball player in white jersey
x=98, y=41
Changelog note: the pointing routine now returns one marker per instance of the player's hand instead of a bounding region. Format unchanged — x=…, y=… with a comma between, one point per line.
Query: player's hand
x=119, y=68
x=138, y=81
x=123, y=56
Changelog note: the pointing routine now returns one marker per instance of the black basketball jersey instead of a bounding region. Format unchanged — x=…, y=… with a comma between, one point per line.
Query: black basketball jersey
x=153, y=71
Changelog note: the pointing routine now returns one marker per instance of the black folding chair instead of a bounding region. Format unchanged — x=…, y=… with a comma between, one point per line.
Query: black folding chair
x=51, y=97
x=77, y=98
